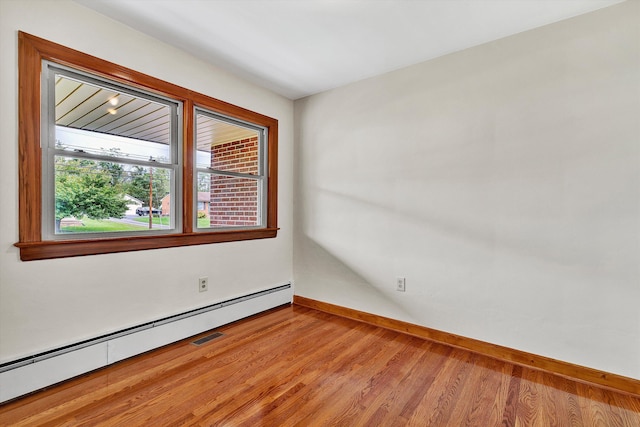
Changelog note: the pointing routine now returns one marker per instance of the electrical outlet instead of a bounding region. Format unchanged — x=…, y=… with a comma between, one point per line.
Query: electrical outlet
x=203, y=284
x=400, y=284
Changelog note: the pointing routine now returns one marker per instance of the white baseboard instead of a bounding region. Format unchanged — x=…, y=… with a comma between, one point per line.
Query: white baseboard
x=28, y=375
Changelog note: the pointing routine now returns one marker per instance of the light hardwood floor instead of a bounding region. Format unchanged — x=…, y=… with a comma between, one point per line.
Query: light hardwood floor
x=298, y=366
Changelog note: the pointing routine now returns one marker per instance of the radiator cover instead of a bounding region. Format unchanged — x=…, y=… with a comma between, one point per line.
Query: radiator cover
x=44, y=369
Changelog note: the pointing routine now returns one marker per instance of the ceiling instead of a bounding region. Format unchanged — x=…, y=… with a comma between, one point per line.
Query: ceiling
x=300, y=47
x=90, y=107
x=94, y=108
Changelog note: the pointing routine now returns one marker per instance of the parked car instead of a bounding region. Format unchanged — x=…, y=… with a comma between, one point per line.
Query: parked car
x=144, y=211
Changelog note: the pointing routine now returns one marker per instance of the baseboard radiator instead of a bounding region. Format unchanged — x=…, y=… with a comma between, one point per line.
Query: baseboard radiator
x=41, y=370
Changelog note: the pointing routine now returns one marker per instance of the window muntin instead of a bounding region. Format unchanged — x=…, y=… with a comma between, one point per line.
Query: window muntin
x=230, y=179
x=104, y=146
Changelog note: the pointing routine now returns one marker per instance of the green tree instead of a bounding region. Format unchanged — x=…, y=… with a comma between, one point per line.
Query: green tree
x=85, y=188
x=116, y=170
x=139, y=179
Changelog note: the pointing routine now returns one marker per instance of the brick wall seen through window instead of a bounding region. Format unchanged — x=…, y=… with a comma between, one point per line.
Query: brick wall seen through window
x=234, y=201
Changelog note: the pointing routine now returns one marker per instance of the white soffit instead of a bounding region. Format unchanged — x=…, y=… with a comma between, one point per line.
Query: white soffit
x=301, y=47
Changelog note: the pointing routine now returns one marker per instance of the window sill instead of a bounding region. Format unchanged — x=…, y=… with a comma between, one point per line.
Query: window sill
x=31, y=251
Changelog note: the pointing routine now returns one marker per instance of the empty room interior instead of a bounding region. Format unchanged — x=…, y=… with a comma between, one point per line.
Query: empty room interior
x=320, y=212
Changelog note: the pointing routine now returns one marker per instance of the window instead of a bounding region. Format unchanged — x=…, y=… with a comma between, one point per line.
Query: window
x=230, y=171
x=103, y=143
x=112, y=160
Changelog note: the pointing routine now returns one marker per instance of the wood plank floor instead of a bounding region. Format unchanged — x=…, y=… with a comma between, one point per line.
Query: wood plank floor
x=295, y=366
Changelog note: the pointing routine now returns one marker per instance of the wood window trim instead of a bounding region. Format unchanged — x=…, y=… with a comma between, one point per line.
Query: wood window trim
x=32, y=51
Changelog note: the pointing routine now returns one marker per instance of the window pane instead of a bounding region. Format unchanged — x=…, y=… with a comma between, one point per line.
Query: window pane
x=226, y=146
x=231, y=202
x=99, y=120
x=99, y=197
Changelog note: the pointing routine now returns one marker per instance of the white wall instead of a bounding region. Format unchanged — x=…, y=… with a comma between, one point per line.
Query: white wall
x=503, y=181
x=45, y=304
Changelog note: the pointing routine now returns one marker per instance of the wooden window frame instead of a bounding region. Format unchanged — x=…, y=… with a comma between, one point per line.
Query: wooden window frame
x=32, y=51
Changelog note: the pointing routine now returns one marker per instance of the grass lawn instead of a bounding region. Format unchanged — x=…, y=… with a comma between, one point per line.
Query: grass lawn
x=202, y=222
x=165, y=220
x=99, y=226
x=105, y=226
